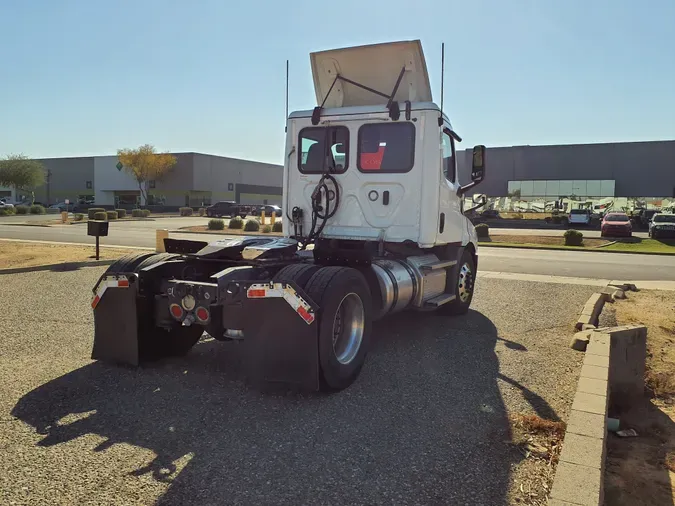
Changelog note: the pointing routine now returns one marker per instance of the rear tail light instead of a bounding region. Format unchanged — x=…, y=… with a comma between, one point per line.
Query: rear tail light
x=176, y=311
x=202, y=314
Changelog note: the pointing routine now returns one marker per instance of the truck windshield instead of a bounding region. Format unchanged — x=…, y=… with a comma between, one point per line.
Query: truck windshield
x=664, y=218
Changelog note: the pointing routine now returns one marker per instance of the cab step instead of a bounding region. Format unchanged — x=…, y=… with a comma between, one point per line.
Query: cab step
x=441, y=299
x=438, y=265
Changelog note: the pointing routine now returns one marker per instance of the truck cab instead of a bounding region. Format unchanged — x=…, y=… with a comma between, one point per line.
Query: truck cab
x=392, y=157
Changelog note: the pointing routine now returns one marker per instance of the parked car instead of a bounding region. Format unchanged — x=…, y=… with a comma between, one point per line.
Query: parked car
x=616, y=225
x=62, y=206
x=227, y=208
x=643, y=217
x=662, y=226
x=269, y=209
x=5, y=205
x=580, y=217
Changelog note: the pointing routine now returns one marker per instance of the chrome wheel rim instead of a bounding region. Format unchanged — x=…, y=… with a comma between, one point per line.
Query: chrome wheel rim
x=348, y=328
x=465, y=283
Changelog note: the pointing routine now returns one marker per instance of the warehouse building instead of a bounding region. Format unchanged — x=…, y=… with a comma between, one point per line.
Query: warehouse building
x=196, y=180
x=593, y=171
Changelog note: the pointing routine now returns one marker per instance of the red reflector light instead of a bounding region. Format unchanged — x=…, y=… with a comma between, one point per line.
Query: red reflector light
x=306, y=315
x=94, y=303
x=256, y=293
x=176, y=310
x=123, y=283
x=202, y=314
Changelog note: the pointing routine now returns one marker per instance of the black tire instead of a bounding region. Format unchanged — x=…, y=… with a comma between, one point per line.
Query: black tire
x=300, y=274
x=464, y=287
x=154, y=259
x=335, y=289
x=128, y=263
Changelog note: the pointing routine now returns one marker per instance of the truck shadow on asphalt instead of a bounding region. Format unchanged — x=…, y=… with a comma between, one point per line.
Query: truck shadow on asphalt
x=425, y=423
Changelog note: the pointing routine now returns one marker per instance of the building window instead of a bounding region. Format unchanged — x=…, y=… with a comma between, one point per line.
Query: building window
x=323, y=149
x=89, y=185
x=230, y=187
x=386, y=147
x=152, y=183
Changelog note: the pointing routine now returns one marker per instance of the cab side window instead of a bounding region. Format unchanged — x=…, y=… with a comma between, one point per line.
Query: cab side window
x=449, y=158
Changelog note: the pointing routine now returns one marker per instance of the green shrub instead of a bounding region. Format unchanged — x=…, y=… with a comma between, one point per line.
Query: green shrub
x=91, y=212
x=79, y=217
x=185, y=211
x=21, y=209
x=8, y=211
x=236, y=223
x=111, y=215
x=37, y=209
x=201, y=211
x=482, y=230
x=137, y=213
x=145, y=213
x=251, y=226
x=277, y=227
x=216, y=224
x=100, y=215
x=574, y=238
x=266, y=229
x=121, y=213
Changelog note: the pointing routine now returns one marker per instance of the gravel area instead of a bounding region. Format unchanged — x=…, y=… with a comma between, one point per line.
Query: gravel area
x=426, y=423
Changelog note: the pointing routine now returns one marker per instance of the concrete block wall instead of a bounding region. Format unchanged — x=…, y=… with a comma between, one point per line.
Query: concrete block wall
x=613, y=368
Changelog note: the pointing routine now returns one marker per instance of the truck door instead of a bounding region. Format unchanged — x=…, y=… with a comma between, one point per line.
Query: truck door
x=451, y=220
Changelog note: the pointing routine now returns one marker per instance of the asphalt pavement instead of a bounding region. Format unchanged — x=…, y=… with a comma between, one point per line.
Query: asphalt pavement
x=425, y=423
x=557, y=263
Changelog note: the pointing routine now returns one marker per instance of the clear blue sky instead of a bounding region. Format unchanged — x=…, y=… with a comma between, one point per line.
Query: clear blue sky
x=86, y=77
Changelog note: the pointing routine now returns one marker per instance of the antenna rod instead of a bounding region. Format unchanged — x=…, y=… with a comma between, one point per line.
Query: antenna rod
x=286, y=120
x=440, y=120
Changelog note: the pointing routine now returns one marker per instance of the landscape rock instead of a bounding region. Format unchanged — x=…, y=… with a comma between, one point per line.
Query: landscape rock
x=580, y=341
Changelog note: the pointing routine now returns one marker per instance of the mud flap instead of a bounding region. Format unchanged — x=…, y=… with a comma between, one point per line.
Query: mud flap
x=115, y=320
x=281, y=334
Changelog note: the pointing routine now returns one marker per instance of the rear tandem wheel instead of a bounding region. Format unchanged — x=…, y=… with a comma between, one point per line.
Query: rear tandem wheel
x=344, y=299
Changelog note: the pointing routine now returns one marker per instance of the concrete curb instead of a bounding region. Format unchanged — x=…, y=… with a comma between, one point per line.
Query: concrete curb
x=591, y=311
x=64, y=266
x=612, y=374
x=572, y=248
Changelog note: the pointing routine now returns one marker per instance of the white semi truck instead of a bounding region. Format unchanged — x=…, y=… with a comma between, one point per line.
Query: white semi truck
x=373, y=225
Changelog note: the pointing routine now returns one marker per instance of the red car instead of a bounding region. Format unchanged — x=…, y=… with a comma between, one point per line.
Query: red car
x=616, y=225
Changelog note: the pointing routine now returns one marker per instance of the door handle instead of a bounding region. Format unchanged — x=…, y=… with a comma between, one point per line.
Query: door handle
x=385, y=197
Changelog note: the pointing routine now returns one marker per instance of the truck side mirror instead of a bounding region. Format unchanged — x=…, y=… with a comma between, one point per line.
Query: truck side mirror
x=477, y=169
x=478, y=164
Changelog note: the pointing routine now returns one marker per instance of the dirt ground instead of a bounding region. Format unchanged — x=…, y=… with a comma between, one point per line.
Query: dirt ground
x=540, y=442
x=640, y=471
x=15, y=255
x=545, y=240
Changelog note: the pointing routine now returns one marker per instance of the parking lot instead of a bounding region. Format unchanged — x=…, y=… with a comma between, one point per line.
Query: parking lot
x=426, y=423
